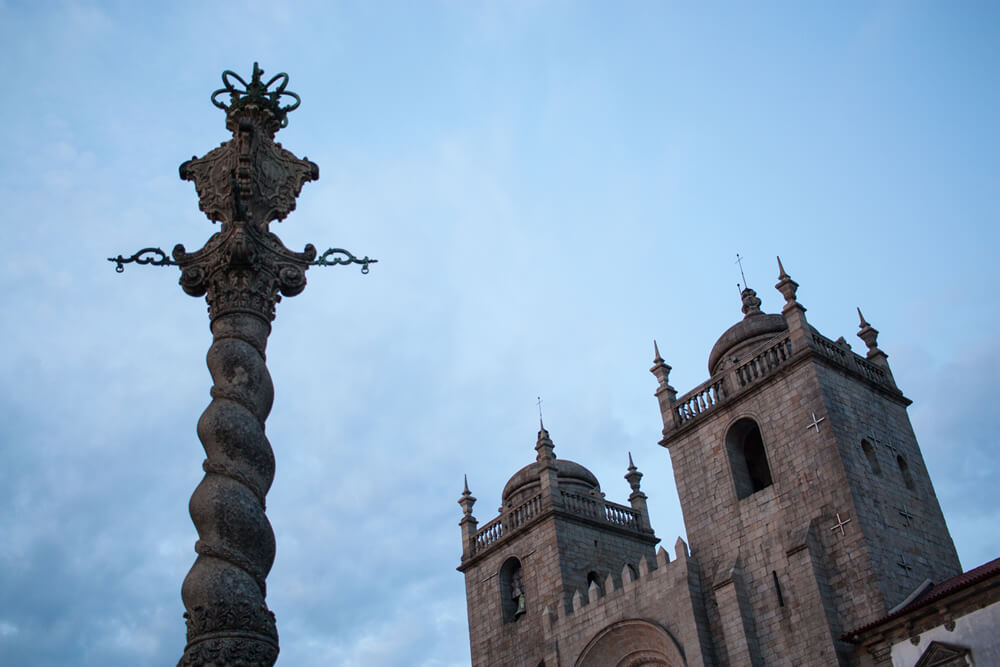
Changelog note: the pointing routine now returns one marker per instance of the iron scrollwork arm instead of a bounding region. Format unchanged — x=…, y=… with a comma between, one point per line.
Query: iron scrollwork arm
x=153, y=256
x=335, y=256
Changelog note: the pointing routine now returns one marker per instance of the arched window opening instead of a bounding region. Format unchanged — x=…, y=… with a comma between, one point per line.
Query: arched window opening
x=904, y=470
x=592, y=578
x=634, y=572
x=513, y=602
x=747, y=458
x=869, y=451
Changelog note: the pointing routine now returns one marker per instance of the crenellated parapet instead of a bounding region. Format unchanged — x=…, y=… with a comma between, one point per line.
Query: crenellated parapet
x=638, y=595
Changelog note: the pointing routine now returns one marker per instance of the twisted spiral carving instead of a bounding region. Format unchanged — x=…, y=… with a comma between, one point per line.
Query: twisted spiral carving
x=228, y=621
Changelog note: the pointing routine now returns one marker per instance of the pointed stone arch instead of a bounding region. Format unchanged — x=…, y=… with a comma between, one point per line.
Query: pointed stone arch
x=632, y=643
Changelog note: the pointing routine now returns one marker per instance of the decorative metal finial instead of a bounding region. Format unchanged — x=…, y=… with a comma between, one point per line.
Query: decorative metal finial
x=256, y=93
x=243, y=271
x=541, y=424
x=739, y=260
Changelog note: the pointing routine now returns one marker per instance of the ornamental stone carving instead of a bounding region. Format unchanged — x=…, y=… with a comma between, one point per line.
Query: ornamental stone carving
x=242, y=271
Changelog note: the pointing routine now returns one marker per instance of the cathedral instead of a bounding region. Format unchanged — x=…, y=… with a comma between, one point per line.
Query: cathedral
x=815, y=536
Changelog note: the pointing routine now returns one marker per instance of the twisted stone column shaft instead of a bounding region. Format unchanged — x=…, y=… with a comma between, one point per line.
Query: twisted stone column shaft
x=228, y=622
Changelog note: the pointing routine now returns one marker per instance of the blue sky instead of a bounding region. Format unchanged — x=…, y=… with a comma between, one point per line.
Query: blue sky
x=548, y=186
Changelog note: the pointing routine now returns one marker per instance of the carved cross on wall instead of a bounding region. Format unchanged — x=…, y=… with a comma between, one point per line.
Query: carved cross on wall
x=840, y=524
x=815, y=422
x=907, y=517
x=903, y=564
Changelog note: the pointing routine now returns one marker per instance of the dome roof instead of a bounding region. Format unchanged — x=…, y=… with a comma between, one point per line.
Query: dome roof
x=753, y=328
x=568, y=473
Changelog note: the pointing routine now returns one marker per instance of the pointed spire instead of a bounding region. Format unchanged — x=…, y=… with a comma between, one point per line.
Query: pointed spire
x=467, y=500
x=660, y=369
x=786, y=285
x=633, y=475
x=544, y=446
x=781, y=270
x=868, y=334
x=637, y=498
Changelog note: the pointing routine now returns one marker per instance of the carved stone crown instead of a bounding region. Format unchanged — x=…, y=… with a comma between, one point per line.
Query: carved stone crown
x=250, y=178
x=257, y=96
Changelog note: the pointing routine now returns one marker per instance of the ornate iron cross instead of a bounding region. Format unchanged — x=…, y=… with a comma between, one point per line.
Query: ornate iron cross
x=242, y=271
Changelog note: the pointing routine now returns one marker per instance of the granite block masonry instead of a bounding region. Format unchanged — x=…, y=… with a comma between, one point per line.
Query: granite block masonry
x=806, y=501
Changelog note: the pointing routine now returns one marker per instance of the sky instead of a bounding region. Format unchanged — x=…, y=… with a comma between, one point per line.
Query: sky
x=548, y=187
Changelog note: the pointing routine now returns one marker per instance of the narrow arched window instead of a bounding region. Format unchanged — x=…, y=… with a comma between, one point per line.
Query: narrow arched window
x=513, y=601
x=747, y=458
x=904, y=470
x=869, y=451
x=592, y=578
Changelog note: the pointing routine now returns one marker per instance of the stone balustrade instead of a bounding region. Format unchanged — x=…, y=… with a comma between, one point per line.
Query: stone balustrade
x=701, y=399
x=591, y=507
x=845, y=357
x=761, y=363
x=488, y=534
x=524, y=512
x=776, y=353
x=621, y=515
x=829, y=348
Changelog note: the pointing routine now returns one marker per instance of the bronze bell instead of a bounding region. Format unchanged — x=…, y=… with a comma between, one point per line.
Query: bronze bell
x=520, y=611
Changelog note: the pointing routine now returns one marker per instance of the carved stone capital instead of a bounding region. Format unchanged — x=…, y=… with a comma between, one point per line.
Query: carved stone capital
x=243, y=269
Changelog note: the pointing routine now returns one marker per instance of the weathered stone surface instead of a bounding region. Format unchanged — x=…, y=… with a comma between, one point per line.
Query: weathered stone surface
x=242, y=271
x=841, y=528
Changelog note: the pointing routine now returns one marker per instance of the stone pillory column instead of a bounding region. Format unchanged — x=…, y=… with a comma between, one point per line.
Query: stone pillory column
x=242, y=271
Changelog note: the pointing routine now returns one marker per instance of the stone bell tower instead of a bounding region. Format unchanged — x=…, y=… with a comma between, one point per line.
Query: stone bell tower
x=556, y=543
x=805, y=497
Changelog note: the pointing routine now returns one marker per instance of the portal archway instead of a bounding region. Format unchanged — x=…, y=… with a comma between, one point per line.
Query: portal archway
x=632, y=643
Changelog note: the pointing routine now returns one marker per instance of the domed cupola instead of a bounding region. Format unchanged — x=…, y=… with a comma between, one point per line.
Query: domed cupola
x=755, y=328
x=526, y=482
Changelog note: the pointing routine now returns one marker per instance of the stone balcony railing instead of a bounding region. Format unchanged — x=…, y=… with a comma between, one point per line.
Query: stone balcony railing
x=596, y=508
x=763, y=362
